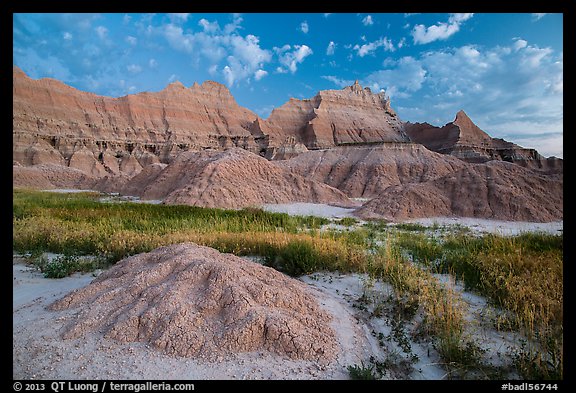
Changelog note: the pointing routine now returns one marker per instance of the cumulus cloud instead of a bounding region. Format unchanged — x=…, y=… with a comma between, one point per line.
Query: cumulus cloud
x=369, y=48
x=367, y=21
x=407, y=76
x=331, y=48
x=209, y=27
x=259, y=74
x=291, y=58
x=506, y=90
x=304, y=27
x=440, y=31
x=243, y=54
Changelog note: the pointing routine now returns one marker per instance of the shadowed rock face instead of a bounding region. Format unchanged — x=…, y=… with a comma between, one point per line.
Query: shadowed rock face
x=193, y=301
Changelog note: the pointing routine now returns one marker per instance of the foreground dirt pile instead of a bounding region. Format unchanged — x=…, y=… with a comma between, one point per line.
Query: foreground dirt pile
x=193, y=301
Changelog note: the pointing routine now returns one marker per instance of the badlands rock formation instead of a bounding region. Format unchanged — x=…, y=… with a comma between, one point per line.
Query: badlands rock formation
x=494, y=190
x=365, y=171
x=197, y=146
x=55, y=123
x=463, y=139
x=234, y=178
x=335, y=117
x=193, y=301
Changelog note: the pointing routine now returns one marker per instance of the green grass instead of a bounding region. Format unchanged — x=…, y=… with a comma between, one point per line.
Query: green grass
x=523, y=274
x=508, y=270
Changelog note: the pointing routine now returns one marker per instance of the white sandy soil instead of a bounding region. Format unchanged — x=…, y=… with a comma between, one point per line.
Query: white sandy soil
x=40, y=353
x=504, y=228
x=479, y=225
x=309, y=209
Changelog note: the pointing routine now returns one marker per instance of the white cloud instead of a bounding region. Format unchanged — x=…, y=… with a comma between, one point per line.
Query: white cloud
x=519, y=44
x=331, y=48
x=367, y=21
x=291, y=59
x=235, y=25
x=242, y=54
x=259, y=74
x=327, y=14
x=459, y=18
x=248, y=50
x=101, y=31
x=408, y=76
x=440, y=31
x=131, y=40
x=369, y=48
x=213, y=70
x=229, y=75
x=152, y=63
x=209, y=27
x=67, y=36
x=536, y=16
x=134, y=68
x=401, y=43
x=507, y=91
x=177, y=39
x=178, y=17
x=304, y=27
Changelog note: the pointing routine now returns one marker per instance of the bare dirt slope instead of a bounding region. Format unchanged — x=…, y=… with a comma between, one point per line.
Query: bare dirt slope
x=365, y=171
x=193, y=301
x=496, y=190
x=231, y=179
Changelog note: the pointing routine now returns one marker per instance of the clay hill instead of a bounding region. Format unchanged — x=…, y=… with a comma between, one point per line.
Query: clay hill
x=494, y=190
x=233, y=178
x=365, y=171
x=192, y=301
x=195, y=145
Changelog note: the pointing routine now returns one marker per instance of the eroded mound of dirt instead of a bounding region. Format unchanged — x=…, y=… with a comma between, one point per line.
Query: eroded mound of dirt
x=194, y=301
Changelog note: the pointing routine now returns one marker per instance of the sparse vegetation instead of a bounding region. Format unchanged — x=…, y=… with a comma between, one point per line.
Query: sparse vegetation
x=521, y=274
x=362, y=372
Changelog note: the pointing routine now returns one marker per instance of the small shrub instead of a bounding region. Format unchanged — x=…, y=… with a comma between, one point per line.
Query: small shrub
x=62, y=266
x=295, y=259
x=348, y=221
x=361, y=372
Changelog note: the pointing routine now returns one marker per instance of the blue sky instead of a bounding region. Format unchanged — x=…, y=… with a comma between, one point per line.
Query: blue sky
x=504, y=70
